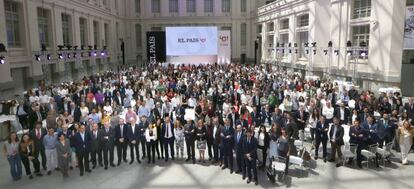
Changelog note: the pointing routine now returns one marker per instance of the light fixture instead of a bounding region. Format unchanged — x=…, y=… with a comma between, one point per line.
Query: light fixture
x=43, y=47
x=69, y=47
x=290, y=51
x=60, y=56
x=2, y=59
x=363, y=53
x=48, y=57
x=325, y=51
x=75, y=47
x=2, y=48
x=68, y=55
x=348, y=53
x=336, y=52
x=94, y=54
x=90, y=54
x=314, y=51
x=74, y=55
x=307, y=51
x=314, y=44
x=81, y=54
x=330, y=44
x=103, y=53
x=60, y=47
x=37, y=57
x=349, y=44
x=296, y=51
x=277, y=50
x=306, y=44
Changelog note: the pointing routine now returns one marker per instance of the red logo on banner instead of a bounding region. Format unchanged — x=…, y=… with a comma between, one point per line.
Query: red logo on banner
x=203, y=40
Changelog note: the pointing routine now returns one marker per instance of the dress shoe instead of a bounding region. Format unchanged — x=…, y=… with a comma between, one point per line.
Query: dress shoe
x=31, y=177
x=360, y=166
x=194, y=161
x=88, y=170
x=224, y=167
x=39, y=174
x=81, y=174
x=331, y=160
x=149, y=161
x=248, y=181
x=237, y=172
x=143, y=157
x=49, y=172
x=139, y=161
x=112, y=165
x=106, y=168
x=324, y=160
x=94, y=166
x=244, y=177
x=316, y=158
x=256, y=183
x=131, y=162
x=119, y=163
x=172, y=158
x=166, y=160
x=153, y=160
x=338, y=164
x=101, y=165
x=231, y=172
x=71, y=167
x=125, y=161
x=188, y=159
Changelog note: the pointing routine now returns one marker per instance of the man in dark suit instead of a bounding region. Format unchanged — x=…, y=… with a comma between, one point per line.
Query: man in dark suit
x=107, y=144
x=371, y=128
x=257, y=102
x=118, y=98
x=364, y=114
x=96, y=149
x=82, y=146
x=217, y=141
x=249, y=144
x=210, y=140
x=359, y=137
x=292, y=133
x=143, y=125
x=167, y=133
x=22, y=112
x=256, y=117
x=321, y=136
x=301, y=117
x=37, y=135
x=385, y=130
x=238, y=148
x=134, y=134
x=233, y=116
x=121, y=139
x=36, y=115
x=409, y=108
x=336, y=135
x=227, y=138
x=189, y=134
x=342, y=113
x=74, y=110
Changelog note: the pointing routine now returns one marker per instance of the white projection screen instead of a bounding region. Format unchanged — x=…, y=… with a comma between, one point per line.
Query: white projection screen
x=191, y=41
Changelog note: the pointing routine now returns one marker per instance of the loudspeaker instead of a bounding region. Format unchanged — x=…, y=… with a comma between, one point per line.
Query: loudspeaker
x=243, y=58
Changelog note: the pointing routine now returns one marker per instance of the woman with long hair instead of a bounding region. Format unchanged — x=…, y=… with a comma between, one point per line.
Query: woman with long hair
x=151, y=140
x=179, y=139
x=11, y=151
x=29, y=153
x=64, y=154
x=263, y=140
x=405, y=133
x=201, y=136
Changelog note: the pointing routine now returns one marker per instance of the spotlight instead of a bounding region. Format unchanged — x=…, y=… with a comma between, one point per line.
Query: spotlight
x=336, y=52
x=295, y=45
x=94, y=54
x=314, y=44
x=277, y=50
x=81, y=54
x=60, y=56
x=90, y=47
x=95, y=47
x=349, y=44
x=348, y=53
x=43, y=47
x=314, y=51
x=69, y=47
x=82, y=47
x=325, y=52
x=48, y=57
x=75, y=47
x=296, y=51
x=74, y=55
x=290, y=51
x=2, y=59
x=37, y=57
x=363, y=53
x=363, y=44
x=60, y=47
x=68, y=55
x=277, y=44
x=104, y=47
x=290, y=45
x=90, y=54
x=103, y=53
x=306, y=44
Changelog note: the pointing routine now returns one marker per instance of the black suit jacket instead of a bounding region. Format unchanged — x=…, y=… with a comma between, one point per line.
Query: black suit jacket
x=76, y=114
x=82, y=146
x=337, y=113
x=95, y=141
x=38, y=142
x=118, y=133
x=107, y=138
x=321, y=131
x=338, y=136
x=250, y=148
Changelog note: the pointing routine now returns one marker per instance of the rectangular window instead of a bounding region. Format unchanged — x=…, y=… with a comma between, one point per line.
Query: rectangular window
x=361, y=9
x=243, y=34
x=191, y=6
x=284, y=24
x=270, y=26
x=208, y=6
x=360, y=34
x=12, y=23
x=96, y=33
x=225, y=6
x=83, y=31
x=155, y=6
x=173, y=5
x=259, y=28
x=137, y=6
x=43, y=24
x=106, y=30
x=301, y=38
x=105, y=3
x=284, y=39
x=138, y=36
x=66, y=29
x=243, y=5
x=303, y=20
x=116, y=4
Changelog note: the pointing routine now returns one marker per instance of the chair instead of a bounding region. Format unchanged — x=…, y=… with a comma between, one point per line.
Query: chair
x=349, y=151
x=307, y=133
x=370, y=153
x=385, y=152
x=296, y=161
x=279, y=166
x=298, y=144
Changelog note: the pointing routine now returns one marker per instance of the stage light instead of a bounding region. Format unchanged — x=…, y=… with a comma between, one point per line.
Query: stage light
x=68, y=55
x=60, y=56
x=314, y=51
x=2, y=59
x=75, y=55
x=325, y=52
x=43, y=47
x=48, y=57
x=75, y=47
x=69, y=47
x=296, y=51
x=349, y=44
x=82, y=47
x=314, y=44
x=37, y=57
x=103, y=53
x=306, y=44
x=330, y=44
x=363, y=53
x=295, y=44
x=348, y=53
x=89, y=54
x=290, y=51
x=94, y=54
x=95, y=47
x=336, y=52
x=277, y=50
x=277, y=44
x=290, y=45
x=2, y=48
x=81, y=54
x=90, y=47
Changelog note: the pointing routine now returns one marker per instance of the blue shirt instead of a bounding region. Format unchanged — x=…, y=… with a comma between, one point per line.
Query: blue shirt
x=50, y=142
x=142, y=111
x=95, y=118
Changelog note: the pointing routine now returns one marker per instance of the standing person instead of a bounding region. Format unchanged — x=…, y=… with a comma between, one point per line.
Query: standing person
x=64, y=154
x=50, y=141
x=179, y=138
x=263, y=143
x=250, y=157
x=189, y=133
x=11, y=151
x=151, y=138
x=121, y=133
x=405, y=134
x=134, y=138
x=107, y=144
x=210, y=140
x=291, y=132
x=168, y=137
x=336, y=135
x=143, y=125
x=227, y=134
x=28, y=152
x=96, y=149
x=359, y=137
x=82, y=145
x=217, y=141
x=37, y=135
x=321, y=136
x=201, y=139
x=238, y=148
x=160, y=143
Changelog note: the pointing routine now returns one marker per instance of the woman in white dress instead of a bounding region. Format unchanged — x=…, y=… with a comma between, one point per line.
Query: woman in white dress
x=405, y=133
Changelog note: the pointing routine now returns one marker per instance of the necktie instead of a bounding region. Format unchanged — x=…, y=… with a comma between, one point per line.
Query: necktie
x=39, y=117
x=107, y=130
x=238, y=137
x=38, y=133
x=168, y=130
x=248, y=141
x=95, y=135
x=122, y=131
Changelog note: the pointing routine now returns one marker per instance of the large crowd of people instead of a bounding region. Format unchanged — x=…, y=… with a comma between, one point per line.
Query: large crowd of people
x=238, y=117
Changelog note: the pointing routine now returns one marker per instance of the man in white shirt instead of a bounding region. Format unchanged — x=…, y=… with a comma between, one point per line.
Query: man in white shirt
x=328, y=112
